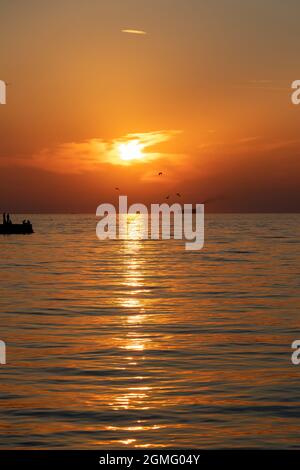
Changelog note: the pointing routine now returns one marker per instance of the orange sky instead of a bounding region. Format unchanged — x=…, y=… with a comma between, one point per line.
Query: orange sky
x=205, y=87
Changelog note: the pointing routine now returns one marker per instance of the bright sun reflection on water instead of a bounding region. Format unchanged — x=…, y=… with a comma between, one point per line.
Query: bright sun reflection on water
x=134, y=340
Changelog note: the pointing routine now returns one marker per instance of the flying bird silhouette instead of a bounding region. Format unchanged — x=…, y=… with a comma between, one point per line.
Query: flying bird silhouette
x=160, y=173
x=178, y=194
x=117, y=189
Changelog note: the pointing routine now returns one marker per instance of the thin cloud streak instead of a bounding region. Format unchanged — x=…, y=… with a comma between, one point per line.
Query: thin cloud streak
x=134, y=31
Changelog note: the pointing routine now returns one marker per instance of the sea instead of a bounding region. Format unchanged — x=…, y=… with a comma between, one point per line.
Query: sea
x=143, y=344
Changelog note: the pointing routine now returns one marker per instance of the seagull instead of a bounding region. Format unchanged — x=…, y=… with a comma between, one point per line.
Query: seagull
x=117, y=189
x=160, y=173
x=178, y=194
x=167, y=197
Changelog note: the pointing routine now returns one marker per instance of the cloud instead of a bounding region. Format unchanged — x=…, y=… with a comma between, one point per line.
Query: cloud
x=89, y=155
x=134, y=31
x=271, y=85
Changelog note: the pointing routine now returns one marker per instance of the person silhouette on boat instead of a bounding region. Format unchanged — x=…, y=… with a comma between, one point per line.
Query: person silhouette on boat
x=6, y=219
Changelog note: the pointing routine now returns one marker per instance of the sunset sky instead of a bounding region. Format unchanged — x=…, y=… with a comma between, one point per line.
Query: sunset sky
x=108, y=93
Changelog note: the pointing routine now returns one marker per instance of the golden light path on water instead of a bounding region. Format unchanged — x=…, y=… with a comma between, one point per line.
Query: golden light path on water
x=137, y=396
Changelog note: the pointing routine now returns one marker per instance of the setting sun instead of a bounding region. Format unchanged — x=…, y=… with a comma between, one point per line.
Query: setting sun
x=131, y=150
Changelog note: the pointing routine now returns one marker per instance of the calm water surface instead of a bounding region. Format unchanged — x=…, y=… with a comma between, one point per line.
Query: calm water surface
x=143, y=344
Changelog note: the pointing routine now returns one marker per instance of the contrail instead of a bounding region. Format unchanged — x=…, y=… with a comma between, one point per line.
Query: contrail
x=133, y=31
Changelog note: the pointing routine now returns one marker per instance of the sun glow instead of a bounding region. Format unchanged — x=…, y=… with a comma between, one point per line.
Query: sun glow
x=132, y=150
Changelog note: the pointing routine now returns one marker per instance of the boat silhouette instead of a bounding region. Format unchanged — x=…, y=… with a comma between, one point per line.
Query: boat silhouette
x=14, y=229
